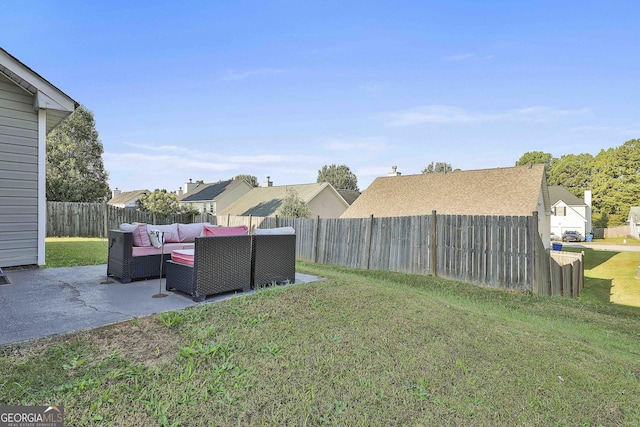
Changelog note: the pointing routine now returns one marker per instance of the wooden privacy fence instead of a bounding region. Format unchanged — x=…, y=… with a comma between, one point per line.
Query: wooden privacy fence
x=494, y=251
x=66, y=219
x=502, y=252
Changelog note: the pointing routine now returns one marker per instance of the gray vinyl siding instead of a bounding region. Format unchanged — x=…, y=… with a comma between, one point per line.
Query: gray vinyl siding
x=18, y=176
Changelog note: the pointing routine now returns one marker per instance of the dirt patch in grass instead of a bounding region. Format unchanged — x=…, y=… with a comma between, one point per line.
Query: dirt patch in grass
x=144, y=340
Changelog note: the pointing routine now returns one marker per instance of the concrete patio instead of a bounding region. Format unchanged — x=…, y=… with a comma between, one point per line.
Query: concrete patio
x=45, y=302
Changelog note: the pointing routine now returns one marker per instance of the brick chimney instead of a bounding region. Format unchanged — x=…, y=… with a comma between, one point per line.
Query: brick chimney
x=268, y=183
x=115, y=193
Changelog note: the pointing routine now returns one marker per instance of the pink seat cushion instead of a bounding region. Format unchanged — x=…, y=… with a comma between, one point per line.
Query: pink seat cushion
x=183, y=256
x=240, y=230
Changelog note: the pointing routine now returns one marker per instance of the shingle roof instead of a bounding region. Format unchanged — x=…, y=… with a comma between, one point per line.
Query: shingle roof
x=265, y=201
x=503, y=191
x=558, y=192
x=349, y=196
x=126, y=196
x=206, y=192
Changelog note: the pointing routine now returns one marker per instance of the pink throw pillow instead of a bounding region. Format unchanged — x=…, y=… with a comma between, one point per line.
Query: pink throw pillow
x=141, y=235
x=240, y=230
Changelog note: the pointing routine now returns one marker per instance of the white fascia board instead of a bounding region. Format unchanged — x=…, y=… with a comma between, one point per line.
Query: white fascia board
x=58, y=100
x=42, y=101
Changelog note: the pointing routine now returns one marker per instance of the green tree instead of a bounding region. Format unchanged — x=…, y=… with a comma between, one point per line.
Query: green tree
x=437, y=167
x=600, y=220
x=616, y=181
x=339, y=176
x=252, y=180
x=159, y=202
x=535, y=158
x=293, y=206
x=574, y=172
x=75, y=171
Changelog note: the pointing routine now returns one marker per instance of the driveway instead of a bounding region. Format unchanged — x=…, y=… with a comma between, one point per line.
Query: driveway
x=590, y=245
x=44, y=302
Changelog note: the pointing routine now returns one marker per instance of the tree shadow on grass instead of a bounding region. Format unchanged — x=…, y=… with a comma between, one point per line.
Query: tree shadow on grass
x=596, y=290
x=593, y=258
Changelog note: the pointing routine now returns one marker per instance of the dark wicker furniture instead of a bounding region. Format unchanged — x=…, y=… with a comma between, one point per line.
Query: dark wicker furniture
x=221, y=264
x=273, y=259
x=124, y=266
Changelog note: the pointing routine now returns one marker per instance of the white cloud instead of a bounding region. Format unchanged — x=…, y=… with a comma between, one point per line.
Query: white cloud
x=461, y=57
x=446, y=114
x=355, y=144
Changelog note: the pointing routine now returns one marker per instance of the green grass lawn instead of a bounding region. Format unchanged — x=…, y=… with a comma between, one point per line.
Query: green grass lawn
x=360, y=348
x=611, y=276
x=73, y=251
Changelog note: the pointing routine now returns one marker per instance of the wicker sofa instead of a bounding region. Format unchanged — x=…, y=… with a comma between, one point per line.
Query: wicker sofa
x=129, y=259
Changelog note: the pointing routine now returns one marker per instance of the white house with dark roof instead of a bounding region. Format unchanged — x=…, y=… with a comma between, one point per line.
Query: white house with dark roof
x=514, y=191
x=569, y=212
x=214, y=197
x=30, y=108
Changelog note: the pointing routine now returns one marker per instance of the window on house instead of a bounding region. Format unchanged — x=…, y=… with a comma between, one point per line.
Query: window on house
x=560, y=211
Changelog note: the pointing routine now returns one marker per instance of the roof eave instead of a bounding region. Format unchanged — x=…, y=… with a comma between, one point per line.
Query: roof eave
x=46, y=95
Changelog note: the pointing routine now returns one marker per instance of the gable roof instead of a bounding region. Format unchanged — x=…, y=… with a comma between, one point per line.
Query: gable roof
x=558, y=192
x=265, y=201
x=126, y=196
x=349, y=196
x=206, y=192
x=46, y=96
x=511, y=191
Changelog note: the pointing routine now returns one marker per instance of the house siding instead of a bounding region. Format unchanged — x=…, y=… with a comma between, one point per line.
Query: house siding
x=573, y=220
x=327, y=204
x=18, y=176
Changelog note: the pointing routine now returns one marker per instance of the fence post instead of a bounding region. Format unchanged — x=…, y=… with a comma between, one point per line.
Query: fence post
x=315, y=240
x=106, y=219
x=434, y=243
x=277, y=221
x=368, y=237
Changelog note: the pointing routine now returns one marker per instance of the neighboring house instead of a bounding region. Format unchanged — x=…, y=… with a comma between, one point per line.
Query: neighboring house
x=568, y=212
x=126, y=199
x=349, y=196
x=323, y=200
x=634, y=222
x=516, y=191
x=30, y=107
x=214, y=198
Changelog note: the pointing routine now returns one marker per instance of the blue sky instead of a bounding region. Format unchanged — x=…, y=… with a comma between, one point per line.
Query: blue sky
x=212, y=89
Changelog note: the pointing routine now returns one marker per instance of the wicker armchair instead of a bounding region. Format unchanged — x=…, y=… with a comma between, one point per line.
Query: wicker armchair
x=273, y=259
x=221, y=264
x=124, y=266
